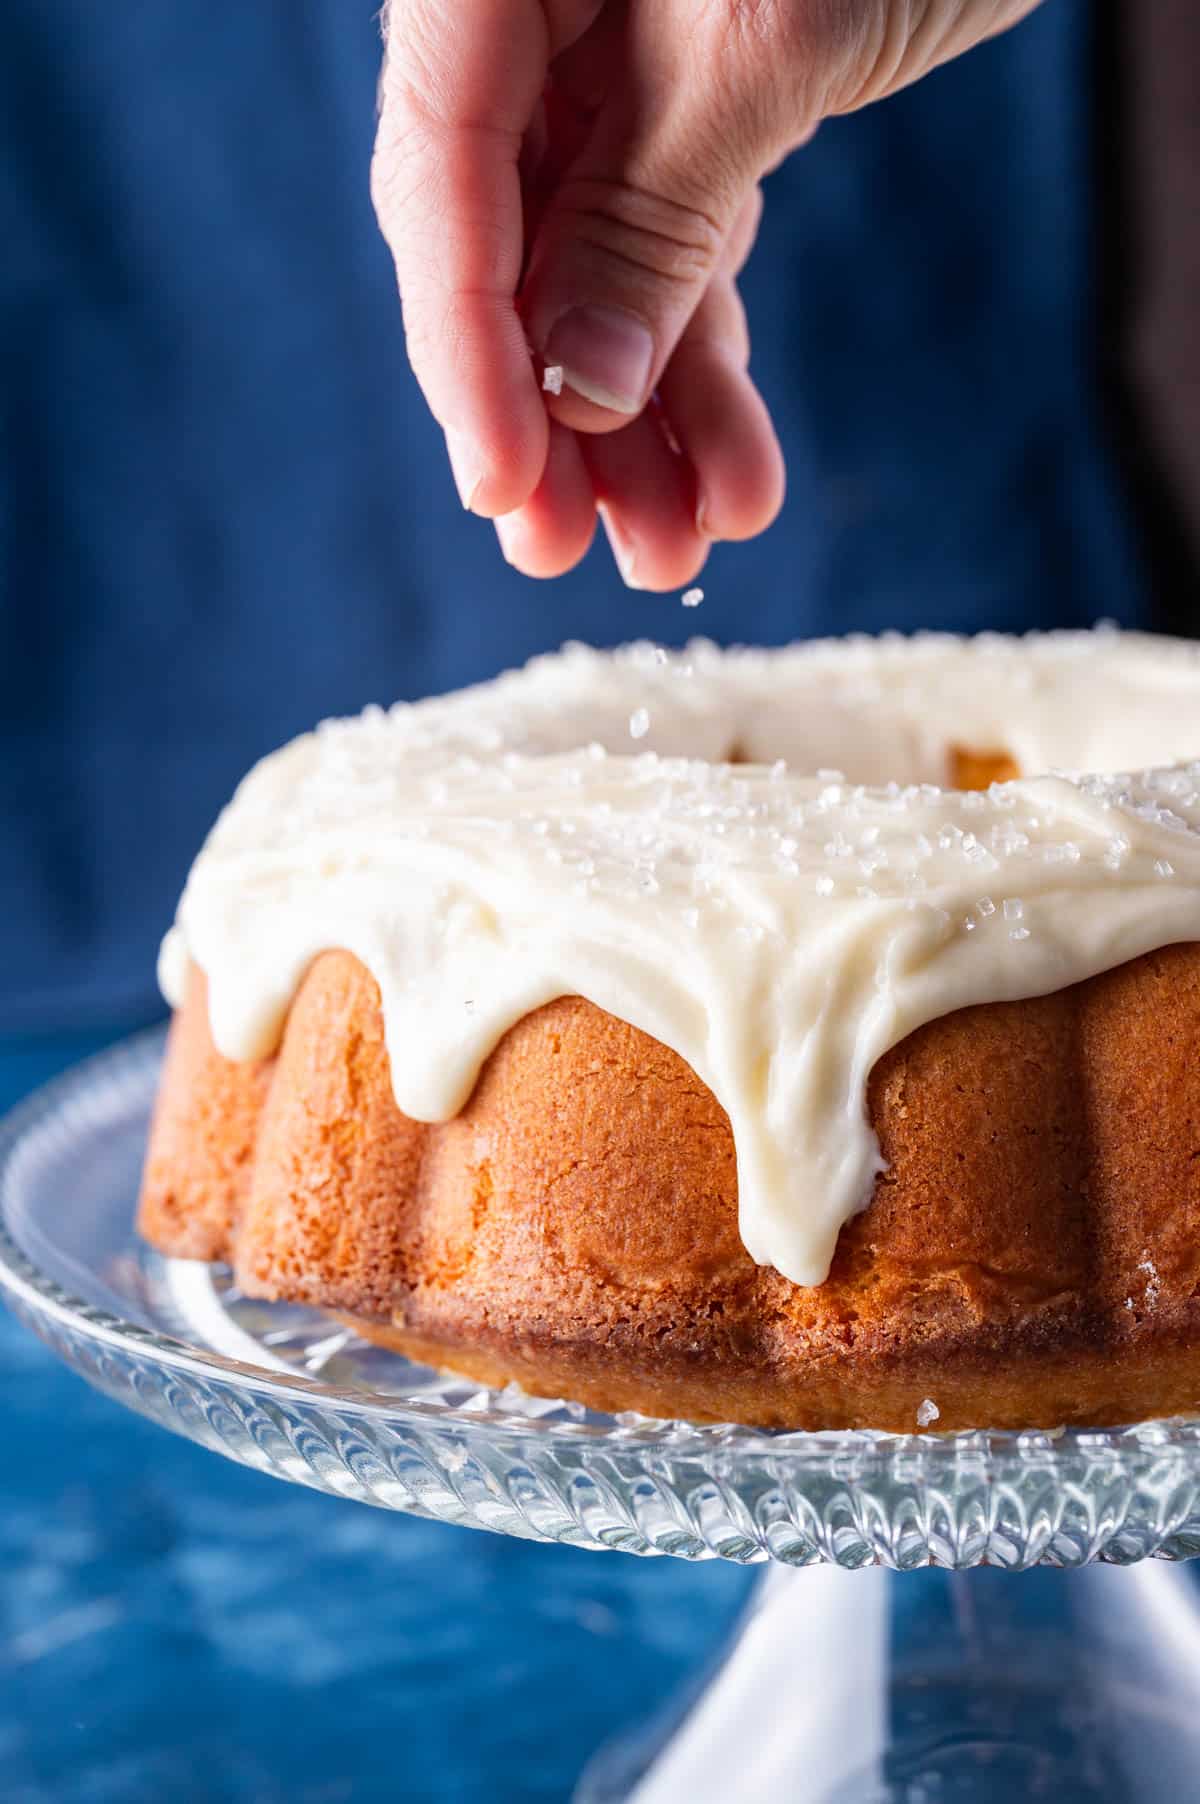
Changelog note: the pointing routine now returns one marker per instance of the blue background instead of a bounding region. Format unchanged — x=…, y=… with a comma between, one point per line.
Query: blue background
x=223, y=514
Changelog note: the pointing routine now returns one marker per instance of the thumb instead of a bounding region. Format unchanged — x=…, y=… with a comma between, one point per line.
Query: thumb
x=632, y=236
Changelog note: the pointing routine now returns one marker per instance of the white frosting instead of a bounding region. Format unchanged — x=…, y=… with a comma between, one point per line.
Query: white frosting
x=780, y=930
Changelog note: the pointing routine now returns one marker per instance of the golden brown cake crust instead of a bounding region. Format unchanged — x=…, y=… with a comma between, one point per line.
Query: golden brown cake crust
x=1031, y=1255
x=203, y=1139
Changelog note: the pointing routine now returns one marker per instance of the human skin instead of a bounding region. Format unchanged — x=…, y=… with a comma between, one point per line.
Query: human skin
x=574, y=184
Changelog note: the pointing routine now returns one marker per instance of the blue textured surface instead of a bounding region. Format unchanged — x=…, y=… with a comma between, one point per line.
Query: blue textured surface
x=175, y=1627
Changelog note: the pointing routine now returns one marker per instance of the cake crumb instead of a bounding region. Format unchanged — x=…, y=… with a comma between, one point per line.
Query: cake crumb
x=927, y=1412
x=552, y=378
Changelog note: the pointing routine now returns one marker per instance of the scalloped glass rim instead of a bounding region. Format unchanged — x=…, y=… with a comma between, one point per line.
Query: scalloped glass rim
x=741, y=1493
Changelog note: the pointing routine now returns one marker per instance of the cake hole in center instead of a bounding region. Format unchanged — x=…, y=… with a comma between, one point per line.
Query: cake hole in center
x=974, y=769
x=967, y=767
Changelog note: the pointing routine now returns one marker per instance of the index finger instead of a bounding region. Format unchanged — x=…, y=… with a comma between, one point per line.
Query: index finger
x=460, y=85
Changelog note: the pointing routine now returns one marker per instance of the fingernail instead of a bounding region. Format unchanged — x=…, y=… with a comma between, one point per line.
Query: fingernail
x=508, y=532
x=622, y=546
x=606, y=356
x=466, y=466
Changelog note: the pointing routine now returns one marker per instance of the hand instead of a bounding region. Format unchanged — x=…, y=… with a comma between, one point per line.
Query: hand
x=573, y=184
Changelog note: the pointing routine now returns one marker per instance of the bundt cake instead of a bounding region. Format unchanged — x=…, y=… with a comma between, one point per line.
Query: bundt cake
x=797, y=1038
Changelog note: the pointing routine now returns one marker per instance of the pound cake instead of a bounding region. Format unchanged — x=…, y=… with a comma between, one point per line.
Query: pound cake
x=803, y=1038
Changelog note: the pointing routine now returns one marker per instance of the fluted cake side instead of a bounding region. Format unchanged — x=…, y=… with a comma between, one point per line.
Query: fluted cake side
x=1031, y=1255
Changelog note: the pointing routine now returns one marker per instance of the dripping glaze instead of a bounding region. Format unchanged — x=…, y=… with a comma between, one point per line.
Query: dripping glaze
x=580, y=827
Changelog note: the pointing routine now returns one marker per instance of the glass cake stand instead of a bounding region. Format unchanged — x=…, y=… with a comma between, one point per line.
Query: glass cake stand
x=854, y=1678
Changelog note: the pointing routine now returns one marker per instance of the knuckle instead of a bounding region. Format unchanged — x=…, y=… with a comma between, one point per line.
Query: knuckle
x=756, y=24
x=793, y=56
x=673, y=241
x=772, y=26
x=400, y=162
x=390, y=196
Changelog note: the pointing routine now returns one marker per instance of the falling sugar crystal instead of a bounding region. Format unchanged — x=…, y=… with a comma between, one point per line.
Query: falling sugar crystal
x=692, y=598
x=639, y=723
x=927, y=1412
x=552, y=378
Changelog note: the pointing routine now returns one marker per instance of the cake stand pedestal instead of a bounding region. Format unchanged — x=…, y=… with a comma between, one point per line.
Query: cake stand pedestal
x=878, y=1687
x=899, y=1646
